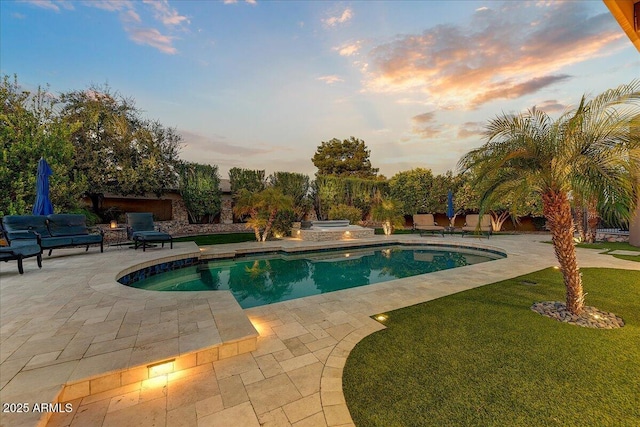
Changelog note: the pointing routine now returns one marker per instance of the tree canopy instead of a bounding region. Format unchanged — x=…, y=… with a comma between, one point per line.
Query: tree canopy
x=347, y=158
x=115, y=148
x=30, y=129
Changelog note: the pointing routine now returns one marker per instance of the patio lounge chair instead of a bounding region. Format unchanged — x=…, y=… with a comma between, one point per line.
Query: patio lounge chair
x=471, y=225
x=142, y=231
x=426, y=222
x=20, y=250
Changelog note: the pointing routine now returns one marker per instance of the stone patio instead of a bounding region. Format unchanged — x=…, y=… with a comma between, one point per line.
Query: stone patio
x=71, y=334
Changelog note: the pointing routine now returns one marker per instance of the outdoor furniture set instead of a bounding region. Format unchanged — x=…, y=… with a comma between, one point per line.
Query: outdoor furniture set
x=426, y=223
x=29, y=235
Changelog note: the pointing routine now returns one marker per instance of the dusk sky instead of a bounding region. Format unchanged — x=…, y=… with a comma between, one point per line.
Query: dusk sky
x=260, y=84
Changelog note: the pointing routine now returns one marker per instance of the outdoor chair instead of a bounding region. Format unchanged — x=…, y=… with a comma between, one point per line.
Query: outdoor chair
x=426, y=222
x=19, y=250
x=473, y=225
x=142, y=230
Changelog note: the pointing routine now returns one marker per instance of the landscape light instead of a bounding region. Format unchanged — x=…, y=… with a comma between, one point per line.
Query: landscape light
x=161, y=368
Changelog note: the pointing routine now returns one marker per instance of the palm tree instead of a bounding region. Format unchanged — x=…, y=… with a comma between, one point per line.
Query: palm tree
x=262, y=209
x=589, y=150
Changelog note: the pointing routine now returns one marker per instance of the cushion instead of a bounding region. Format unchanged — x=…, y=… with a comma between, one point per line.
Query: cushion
x=150, y=236
x=86, y=239
x=140, y=221
x=67, y=224
x=16, y=223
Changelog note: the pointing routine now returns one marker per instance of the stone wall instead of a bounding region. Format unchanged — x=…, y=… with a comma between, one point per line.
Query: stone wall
x=612, y=237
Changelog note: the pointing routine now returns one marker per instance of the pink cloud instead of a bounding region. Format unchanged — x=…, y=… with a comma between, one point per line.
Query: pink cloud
x=505, y=53
x=152, y=37
x=166, y=14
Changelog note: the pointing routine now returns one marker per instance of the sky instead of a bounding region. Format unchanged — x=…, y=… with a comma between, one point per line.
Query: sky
x=260, y=84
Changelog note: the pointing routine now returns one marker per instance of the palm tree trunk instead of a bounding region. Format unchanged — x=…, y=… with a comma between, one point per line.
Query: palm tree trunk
x=557, y=210
x=593, y=218
x=579, y=222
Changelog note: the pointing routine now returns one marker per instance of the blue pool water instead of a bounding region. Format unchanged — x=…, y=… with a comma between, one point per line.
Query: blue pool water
x=264, y=280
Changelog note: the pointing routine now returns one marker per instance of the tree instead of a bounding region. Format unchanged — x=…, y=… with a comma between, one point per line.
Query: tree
x=411, y=189
x=200, y=191
x=30, y=129
x=246, y=179
x=115, y=148
x=589, y=148
x=344, y=158
x=297, y=186
x=262, y=209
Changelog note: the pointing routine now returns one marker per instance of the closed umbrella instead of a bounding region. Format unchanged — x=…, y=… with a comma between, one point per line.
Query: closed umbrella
x=450, y=212
x=42, y=205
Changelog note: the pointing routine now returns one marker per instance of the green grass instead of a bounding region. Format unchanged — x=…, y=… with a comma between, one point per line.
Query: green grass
x=216, y=239
x=483, y=358
x=613, y=246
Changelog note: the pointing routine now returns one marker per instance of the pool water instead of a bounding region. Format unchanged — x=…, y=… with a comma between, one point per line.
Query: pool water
x=268, y=279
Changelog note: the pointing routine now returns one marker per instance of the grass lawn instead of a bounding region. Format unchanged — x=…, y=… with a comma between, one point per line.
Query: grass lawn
x=614, y=246
x=216, y=239
x=483, y=358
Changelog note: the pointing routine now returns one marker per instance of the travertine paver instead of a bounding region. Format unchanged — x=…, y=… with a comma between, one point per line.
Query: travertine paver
x=293, y=377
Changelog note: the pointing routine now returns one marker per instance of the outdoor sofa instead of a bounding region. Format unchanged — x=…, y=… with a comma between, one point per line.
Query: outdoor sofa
x=471, y=225
x=426, y=222
x=54, y=231
x=142, y=230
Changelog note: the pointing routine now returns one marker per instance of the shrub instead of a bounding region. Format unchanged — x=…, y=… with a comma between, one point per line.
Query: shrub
x=353, y=214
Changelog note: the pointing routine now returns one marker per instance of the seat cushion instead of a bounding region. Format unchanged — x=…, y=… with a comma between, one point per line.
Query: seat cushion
x=151, y=236
x=86, y=239
x=54, y=242
x=26, y=250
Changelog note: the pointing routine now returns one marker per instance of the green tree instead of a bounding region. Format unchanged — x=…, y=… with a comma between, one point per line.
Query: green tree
x=262, y=209
x=115, y=148
x=412, y=190
x=200, y=190
x=246, y=179
x=298, y=187
x=344, y=158
x=590, y=149
x=30, y=129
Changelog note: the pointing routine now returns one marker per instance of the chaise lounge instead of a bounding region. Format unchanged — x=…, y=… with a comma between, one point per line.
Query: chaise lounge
x=142, y=231
x=471, y=225
x=426, y=222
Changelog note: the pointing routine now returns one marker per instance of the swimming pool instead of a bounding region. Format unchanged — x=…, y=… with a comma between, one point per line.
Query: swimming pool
x=265, y=279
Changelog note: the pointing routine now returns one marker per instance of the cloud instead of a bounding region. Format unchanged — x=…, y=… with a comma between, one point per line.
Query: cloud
x=166, y=14
x=330, y=79
x=198, y=144
x=343, y=17
x=500, y=54
x=348, y=49
x=152, y=37
x=50, y=5
x=236, y=1
x=468, y=129
x=111, y=5
x=425, y=125
x=552, y=106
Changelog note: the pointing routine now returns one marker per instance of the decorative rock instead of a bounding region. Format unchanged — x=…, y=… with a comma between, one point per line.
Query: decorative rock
x=590, y=317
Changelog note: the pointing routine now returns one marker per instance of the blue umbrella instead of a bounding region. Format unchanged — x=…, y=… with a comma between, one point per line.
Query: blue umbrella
x=450, y=212
x=42, y=205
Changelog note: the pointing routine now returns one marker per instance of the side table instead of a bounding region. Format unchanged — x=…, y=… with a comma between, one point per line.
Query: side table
x=116, y=236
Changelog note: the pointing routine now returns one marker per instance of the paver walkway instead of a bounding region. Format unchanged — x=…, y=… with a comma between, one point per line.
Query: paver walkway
x=294, y=376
